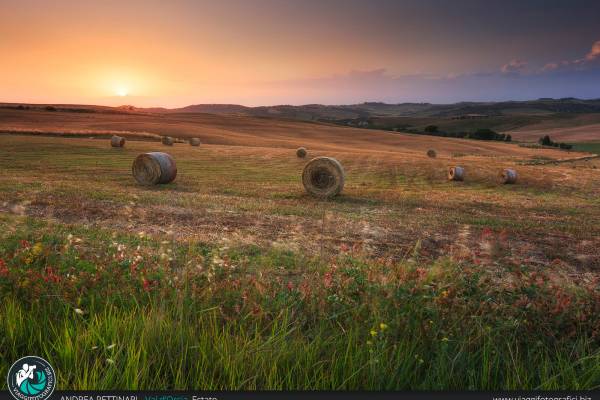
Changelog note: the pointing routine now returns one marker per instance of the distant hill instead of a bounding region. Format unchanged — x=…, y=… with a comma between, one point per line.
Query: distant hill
x=375, y=109
x=527, y=119
x=466, y=117
x=544, y=106
x=213, y=109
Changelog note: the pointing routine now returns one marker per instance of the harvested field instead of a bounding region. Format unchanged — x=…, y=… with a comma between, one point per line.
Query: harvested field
x=255, y=194
x=402, y=266
x=255, y=131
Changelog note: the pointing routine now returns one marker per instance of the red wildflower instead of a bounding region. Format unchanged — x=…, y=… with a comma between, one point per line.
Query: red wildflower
x=421, y=273
x=327, y=279
x=50, y=275
x=3, y=268
x=304, y=289
x=487, y=232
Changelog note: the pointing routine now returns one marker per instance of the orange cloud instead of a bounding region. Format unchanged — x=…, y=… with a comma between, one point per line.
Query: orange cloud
x=580, y=63
x=594, y=53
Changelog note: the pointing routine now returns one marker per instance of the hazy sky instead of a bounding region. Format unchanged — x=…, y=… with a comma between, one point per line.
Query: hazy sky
x=159, y=53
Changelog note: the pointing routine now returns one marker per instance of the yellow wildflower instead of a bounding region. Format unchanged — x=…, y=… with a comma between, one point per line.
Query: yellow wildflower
x=373, y=332
x=36, y=249
x=383, y=326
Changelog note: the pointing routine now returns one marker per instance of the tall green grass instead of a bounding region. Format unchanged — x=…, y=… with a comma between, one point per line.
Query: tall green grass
x=248, y=317
x=166, y=346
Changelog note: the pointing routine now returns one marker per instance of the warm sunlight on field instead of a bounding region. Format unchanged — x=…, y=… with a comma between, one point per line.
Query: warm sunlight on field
x=400, y=268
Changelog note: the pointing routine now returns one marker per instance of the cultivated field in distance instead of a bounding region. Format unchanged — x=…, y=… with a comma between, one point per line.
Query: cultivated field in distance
x=235, y=275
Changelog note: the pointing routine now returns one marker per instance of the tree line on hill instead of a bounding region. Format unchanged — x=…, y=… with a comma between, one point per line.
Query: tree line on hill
x=431, y=130
x=479, y=134
x=546, y=141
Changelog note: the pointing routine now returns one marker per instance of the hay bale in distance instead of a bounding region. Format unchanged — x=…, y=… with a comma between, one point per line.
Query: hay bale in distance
x=154, y=168
x=508, y=176
x=431, y=153
x=194, y=142
x=301, y=152
x=117, y=141
x=456, y=173
x=167, y=140
x=323, y=177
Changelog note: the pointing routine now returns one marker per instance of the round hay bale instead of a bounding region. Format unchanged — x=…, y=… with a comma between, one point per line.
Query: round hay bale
x=323, y=177
x=456, y=173
x=154, y=168
x=431, y=153
x=117, y=141
x=301, y=152
x=194, y=142
x=167, y=140
x=508, y=176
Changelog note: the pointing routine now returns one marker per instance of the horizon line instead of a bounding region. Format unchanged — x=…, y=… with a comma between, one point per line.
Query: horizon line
x=298, y=105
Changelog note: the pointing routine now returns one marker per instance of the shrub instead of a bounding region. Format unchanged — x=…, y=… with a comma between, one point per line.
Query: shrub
x=545, y=141
x=431, y=129
x=485, y=134
x=565, y=146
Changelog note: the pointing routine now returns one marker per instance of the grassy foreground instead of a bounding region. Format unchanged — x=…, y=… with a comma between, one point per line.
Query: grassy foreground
x=231, y=277
x=113, y=310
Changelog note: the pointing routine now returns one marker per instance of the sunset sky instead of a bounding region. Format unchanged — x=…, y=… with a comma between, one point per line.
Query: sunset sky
x=263, y=52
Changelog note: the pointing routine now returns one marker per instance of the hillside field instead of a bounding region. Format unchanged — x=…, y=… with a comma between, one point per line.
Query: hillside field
x=232, y=277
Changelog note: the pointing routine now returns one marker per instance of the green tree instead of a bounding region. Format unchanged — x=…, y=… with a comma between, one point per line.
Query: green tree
x=485, y=134
x=545, y=141
x=431, y=129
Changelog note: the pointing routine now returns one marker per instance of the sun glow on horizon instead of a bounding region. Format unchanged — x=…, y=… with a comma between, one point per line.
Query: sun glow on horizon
x=122, y=92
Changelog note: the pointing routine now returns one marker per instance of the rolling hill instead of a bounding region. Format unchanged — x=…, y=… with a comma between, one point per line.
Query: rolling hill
x=566, y=119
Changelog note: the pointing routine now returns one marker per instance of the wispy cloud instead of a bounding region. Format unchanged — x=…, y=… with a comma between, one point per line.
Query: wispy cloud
x=590, y=60
x=514, y=67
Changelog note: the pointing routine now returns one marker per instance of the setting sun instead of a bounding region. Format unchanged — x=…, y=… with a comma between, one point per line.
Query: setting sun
x=122, y=92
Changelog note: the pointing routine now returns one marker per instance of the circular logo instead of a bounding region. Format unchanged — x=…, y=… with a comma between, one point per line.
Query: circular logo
x=31, y=378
